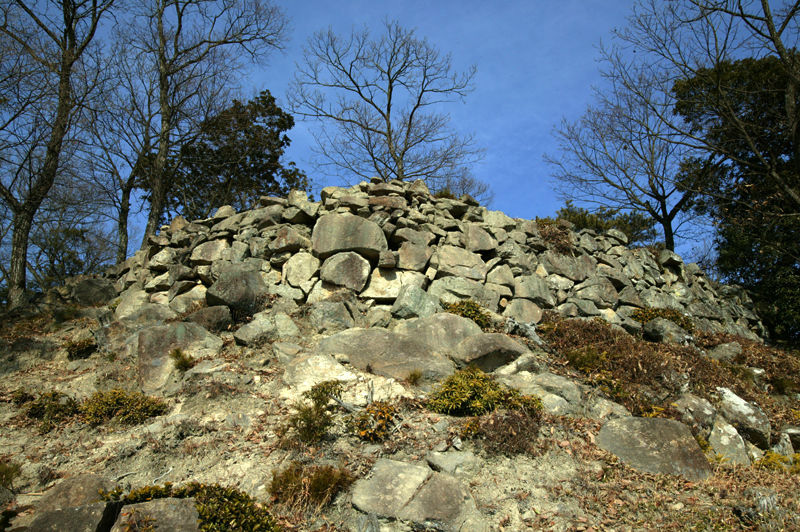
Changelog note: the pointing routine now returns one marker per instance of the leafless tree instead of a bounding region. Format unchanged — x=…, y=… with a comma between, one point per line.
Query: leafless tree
x=681, y=39
x=620, y=155
x=189, y=53
x=45, y=73
x=376, y=100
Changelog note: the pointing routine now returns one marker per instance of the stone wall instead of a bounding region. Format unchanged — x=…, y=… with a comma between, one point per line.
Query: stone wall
x=385, y=241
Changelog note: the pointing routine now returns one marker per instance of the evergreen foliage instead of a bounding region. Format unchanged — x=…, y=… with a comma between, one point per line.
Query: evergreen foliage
x=637, y=227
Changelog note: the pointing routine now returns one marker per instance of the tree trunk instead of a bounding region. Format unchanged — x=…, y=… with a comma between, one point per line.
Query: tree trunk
x=19, y=258
x=122, y=225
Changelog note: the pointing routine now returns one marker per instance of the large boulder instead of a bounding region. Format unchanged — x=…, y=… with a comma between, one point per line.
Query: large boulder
x=90, y=291
x=175, y=515
x=748, y=418
x=440, y=332
x=243, y=291
x=384, y=284
x=411, y=492
x=487, y=351
x=452, y=260
x=334, y=233
x=655, y=445
x=388, y=353
x=153, y=346
x=414, y=302
x=534, y=288
x=348, y=269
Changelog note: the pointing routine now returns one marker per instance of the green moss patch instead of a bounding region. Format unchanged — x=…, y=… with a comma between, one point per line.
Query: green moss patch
x=472, y=310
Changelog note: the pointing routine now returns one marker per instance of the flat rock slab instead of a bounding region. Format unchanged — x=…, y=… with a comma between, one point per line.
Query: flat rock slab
x=441, y=332
x=169, y=515
x=79, y=490
x=487, y=351
x=411, y=492
x=655, y=445
x=388, y=353
x=334, y=233
x=87, y=518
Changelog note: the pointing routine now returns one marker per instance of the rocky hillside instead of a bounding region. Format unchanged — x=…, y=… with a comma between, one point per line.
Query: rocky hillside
x=388, y=360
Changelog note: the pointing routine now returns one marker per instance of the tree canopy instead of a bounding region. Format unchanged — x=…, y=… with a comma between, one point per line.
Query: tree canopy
x=235, y=158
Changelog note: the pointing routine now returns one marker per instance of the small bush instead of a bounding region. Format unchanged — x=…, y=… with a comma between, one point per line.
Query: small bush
x=470, y=309
x=471, y=392
x=126, y=408
x=182, y=361
x=556, y=233
x=9, y=471
x=310, y=423
x=51, y=409
x=507, y=432
x=80, y=349
x=220, y=508
x=644, y=315
x=414, y=378
x=375, y=422
x=444, y=193
x=20, y=396
x=305, y=487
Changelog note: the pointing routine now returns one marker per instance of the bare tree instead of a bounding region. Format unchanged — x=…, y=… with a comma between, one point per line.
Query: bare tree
x=620, y=155
x=190, y=52
x=687, y=39
x=45, y=74
x=376, y=98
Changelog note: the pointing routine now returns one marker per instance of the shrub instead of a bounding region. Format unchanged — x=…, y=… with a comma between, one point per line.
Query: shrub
x=126, y=408
x=310, y=423
x=556, y=233
x=471, y=392
x=51, y=409
x=182, y=361
x=507, y=432
x=414, y=377
x=772, y=461
x=8, y=472
x=644, y=315
x=303, y=487
x=220, y=508
x=80, y=349
x=375, y=422
x=472, y=310
x=444, y=193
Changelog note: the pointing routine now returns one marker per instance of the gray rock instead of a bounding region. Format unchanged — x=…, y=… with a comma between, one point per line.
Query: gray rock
x=330, y=316
x=455, y=289
x=91, y=291
x=399, y=490
x=600, y=408
x=441, y=332
x=215, y=319
x=191, y=299
x=153, y=345
x=794, y=436
x=501, y=275
x=728, y=444
x=169, y=514
x=599, y=290
x=79, y=490
x=655, y=445
x=534, y=288
x=388, y=353
x=452, y=260
x=453, y=462
x=300, y=268
x=130, y=301
x=413, y=256
x=574, y=268
x=476, y=238
x=523, y=311
x=695, y=411
x=209, y=252
x=749, y=419
x=384, y=284
x=264, y=327
x=288, y=238
x=664, y=330
x=348, y=269
x=413, y=302
x=243, y=291
x=334, y=233
x=87, y=518
x=487, y=351
x=726, y=352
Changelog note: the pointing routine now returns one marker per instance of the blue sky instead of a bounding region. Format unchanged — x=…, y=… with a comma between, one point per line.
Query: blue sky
x=536, y=64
